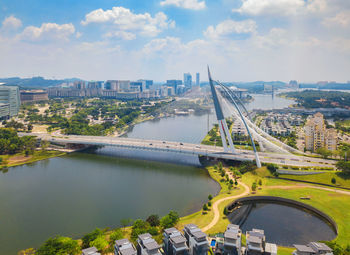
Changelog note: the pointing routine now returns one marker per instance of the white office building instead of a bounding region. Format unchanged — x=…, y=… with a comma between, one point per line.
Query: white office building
x=9, y=95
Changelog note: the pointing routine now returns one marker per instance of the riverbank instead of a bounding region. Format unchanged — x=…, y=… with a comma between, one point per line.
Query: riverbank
x=21, y=159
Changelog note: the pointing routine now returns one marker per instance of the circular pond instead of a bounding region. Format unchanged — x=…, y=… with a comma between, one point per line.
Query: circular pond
x=285, y=222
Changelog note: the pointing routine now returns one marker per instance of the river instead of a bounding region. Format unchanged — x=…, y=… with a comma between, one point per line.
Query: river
x=73, y=194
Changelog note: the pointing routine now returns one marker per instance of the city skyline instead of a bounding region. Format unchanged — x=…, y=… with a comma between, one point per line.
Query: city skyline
x=242, y=40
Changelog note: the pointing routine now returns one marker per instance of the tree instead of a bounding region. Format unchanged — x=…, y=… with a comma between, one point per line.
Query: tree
x=116, y=235
x=29, y=127
x=324, y=152
x=153, y=220
x=209, y=203
x=205, y=207
x=236, y=182
x=344, y=166
x=88, y=238
x=139, y=227
x=170, y=220
x=60, y=246
x=100, y=243
x=210, y=197
x=260, y=182
x=254, y=186
x=334, y=181
x=220, y=166
x=225, y=211
x=231, y=182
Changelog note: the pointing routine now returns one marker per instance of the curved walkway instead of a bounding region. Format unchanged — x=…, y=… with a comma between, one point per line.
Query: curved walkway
x=216, y=204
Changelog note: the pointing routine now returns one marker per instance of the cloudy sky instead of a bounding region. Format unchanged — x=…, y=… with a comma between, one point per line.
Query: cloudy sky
x=241, y=40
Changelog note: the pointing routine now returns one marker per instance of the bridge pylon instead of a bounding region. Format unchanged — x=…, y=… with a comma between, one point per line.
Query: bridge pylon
x=224, y=131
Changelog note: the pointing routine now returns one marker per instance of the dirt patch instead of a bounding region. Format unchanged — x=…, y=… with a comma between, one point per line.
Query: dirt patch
x=18, y=159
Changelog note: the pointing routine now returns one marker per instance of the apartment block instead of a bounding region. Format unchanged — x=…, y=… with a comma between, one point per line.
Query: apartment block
x=146, y=245
x=174, y=242
x=196, y=240
x=313, y=248
x=90, y=251
x=232, y=240
x=10, y=97
x=124, y=247
x=318, y=136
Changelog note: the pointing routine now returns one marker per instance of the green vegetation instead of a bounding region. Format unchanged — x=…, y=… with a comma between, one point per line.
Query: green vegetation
x=60, y=246
x=213, y=138
x=11, y=143
x=320, y=99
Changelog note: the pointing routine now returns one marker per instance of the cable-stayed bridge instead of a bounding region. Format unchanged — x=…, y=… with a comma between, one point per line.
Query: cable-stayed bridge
x=273, y=150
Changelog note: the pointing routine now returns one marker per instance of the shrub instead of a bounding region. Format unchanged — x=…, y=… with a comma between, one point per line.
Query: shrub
x=153, y=220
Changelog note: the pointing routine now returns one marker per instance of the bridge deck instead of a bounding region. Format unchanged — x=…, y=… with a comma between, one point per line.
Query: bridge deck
x=188, y=148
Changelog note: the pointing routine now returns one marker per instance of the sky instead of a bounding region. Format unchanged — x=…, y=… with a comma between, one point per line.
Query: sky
x=241, y=40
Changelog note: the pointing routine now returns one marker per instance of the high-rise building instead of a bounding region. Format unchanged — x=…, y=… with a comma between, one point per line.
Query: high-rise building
x=174, y=84
x=9, y=95
x=188, y=80
x=232, y=240
x=197, y=79
x=148, y=83
x=318, y=136
x=79, y=85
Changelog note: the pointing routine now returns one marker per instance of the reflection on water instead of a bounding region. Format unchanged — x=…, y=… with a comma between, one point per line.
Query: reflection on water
x=283, y=224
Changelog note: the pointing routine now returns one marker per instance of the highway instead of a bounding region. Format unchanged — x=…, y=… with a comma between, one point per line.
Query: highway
x=187, y=148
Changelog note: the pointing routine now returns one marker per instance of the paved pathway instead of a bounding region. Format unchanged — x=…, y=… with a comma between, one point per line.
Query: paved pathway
x=216, y=204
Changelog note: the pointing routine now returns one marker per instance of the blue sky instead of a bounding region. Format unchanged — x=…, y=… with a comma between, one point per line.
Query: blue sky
x=242, y=40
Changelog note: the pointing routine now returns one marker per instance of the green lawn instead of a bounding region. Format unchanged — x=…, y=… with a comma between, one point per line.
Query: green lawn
x=200, y=219
x=324, y=178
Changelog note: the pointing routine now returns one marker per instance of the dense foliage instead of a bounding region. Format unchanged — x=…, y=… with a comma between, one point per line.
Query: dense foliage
x=320, y=99
x=11, y=143
x=60, y=246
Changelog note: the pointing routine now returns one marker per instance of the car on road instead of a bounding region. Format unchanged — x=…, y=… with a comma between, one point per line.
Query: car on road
x=181, y=144
x=150, y=144
x=163, y=142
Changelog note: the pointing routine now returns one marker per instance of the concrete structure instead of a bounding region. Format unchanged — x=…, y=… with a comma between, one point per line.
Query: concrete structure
x=196, y=240
x=232, y=240
x=33, y=96
x=4, y=111
x=188, y=80
x=9, y=95
x=312, y=248
x=90, y=251
x=124, y=247
x=146, y=245
x=197, y=79
x=186, y=148
x=318, y=136
x=174, y=242
x=255, y=240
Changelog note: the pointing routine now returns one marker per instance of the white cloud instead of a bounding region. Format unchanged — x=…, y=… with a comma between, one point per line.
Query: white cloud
x=122, y=34
x=341, y=19
x=230, y=27
x=47, y=31
x=186, y=4
x=123, y=20
x=283, y=7
x=11, y=23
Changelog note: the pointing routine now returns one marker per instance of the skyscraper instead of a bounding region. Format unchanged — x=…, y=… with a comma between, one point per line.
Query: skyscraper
x=187, y=80
x=197, y=79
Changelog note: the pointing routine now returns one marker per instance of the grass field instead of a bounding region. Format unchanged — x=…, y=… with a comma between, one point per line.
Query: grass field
x=201, y=219
x=324, y=178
